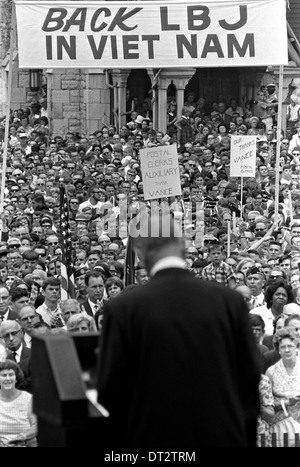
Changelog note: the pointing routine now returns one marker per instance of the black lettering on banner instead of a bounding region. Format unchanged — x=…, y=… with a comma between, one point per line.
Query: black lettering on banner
x=120, y=17
x=97, y=51
x=128, y=45
x=232, y=43
x=78, y=18
x=150, y=40
x=212, y=45
x=203, y=17
x=70, y=48
x=190, y=47
x=49, y=47
x=114, y=50
x=56, y=20
x=239, y=24
x=164, y=20
x=61, y=45
x=95, y=17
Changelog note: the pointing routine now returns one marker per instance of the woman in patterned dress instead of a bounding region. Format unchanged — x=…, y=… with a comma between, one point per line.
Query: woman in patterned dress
x=267, y=413
x=285, y=375
x=18, y=426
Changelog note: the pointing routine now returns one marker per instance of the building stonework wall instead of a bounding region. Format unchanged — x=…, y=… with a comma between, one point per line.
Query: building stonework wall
x=78, y=102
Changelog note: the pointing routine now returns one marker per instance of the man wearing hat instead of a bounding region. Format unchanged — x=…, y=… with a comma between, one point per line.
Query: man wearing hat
x=81, y=223
x=23, y=143
x=255, y=280
x=81, y=289
x=46, y=223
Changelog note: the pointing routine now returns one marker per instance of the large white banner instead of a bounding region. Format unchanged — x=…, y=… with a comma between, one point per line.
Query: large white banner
x=151, y=34
x=242, y=156
x=160, y=172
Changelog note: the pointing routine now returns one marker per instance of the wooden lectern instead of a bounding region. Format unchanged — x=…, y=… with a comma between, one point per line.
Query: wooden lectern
x=64, y=398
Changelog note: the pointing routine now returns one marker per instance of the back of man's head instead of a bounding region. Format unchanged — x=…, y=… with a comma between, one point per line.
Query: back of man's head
x=156, y=236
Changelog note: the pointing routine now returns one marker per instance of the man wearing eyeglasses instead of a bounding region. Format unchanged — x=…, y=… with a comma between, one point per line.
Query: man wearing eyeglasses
x=73, y=207
x=93, y=201
x=52, y=242
x=12, y=334
x=260, y=229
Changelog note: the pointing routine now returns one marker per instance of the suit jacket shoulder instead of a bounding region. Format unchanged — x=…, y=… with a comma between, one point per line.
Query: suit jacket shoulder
x=87, y=308
x=12, y=315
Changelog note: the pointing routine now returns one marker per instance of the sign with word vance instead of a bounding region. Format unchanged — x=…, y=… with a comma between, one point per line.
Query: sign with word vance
x=160, y=172
x=153, y=34
x=242, y=156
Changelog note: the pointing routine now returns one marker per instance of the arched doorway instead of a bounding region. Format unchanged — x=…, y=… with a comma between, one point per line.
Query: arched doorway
x=138, y=84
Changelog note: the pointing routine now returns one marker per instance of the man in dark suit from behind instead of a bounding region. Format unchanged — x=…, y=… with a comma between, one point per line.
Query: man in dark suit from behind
x=178, y=365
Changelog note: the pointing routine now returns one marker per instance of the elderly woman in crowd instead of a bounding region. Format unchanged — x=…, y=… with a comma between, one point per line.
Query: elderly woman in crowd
x=285, y=375
x=81, y=322
x=18, y=426
x=69, y=308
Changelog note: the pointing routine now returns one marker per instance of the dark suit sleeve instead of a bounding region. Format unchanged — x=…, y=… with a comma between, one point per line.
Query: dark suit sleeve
x=249, y=372
x=112, y=360
x=113, y=373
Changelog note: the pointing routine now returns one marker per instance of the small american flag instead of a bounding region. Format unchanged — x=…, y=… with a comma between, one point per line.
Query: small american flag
x=129, y=266
x=67, y=273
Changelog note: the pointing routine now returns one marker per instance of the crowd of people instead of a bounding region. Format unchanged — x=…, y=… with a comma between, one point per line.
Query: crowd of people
x=240, y=243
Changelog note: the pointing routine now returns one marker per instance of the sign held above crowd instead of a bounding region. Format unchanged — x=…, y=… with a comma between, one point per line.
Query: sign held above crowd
x=243, y=156
x=151, y=34
x=160, y=171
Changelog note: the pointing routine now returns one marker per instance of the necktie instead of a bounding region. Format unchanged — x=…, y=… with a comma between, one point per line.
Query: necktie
x=58, y=322
x=15, y=356
x=254, y=302
x=1, y=319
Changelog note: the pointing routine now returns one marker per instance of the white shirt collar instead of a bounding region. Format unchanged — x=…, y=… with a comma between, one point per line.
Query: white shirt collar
x=5, y=316
x=92, y=305
x=166, y=263
x=27, y=339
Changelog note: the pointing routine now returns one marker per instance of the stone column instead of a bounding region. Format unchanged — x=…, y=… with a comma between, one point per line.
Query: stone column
x=289, y=73
x=153, y=77
x=162, y=105
x=119, y=78
x=180, y=78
